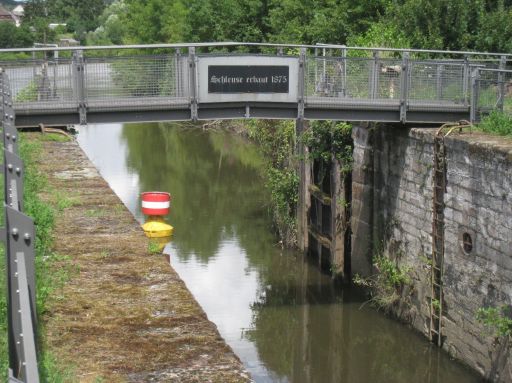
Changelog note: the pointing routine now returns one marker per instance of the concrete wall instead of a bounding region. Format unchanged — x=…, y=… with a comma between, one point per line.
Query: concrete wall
x=393, y=210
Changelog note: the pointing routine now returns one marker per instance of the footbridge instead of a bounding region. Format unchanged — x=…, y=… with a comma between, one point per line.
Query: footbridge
x=77, y=85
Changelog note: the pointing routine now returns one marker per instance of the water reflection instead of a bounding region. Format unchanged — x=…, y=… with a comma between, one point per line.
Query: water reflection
x=285, y=320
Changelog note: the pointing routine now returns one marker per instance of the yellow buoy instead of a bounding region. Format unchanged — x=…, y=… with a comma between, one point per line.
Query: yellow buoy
x=156, y=227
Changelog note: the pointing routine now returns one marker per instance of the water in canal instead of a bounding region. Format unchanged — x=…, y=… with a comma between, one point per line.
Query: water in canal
x=285, y=320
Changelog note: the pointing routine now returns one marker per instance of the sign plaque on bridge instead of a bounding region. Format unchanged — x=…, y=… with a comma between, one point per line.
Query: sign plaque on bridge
x=248, y=78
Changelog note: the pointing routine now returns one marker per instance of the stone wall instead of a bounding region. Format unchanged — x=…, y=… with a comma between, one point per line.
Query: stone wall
x=478, y=206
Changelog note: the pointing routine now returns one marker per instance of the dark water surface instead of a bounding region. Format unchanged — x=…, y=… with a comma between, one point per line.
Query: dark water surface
x=285, y=320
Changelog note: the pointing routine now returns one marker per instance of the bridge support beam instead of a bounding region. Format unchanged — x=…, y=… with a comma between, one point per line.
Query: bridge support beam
x=362, y=200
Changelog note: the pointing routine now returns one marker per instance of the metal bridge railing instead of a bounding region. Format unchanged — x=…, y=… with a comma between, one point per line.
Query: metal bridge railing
x=19, y=237
x=492, y=90
x=106, y=79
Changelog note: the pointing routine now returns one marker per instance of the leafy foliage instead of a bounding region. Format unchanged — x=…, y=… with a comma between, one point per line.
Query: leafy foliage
x=499, y=319
x=276, y=140
x=13, y=37
x=328, y=139
x=388, y=283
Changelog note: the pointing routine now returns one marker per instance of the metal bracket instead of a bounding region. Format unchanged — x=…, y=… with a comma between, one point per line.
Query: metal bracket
x=10, y=137
x=404, y=87
x=14, y=180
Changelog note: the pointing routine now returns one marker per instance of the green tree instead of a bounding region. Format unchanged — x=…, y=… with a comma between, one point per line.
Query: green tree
x=156, y=21
x=13, y=37
x=112, y=29
x=438, y=24
x=495, y=32
x=326, y=21
x=225, y=20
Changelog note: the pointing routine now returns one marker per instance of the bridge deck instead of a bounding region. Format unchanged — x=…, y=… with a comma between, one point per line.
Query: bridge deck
x=209, y=86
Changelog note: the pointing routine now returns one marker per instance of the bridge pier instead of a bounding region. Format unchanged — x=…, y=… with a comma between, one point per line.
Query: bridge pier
x=303, y=203
x=362, y=200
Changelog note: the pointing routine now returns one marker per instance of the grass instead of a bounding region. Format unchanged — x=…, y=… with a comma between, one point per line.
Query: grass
x=154, y=247
x=27, y=94
x=55, y=137
x=498, y=123
x=92, y=213
x=52, y=270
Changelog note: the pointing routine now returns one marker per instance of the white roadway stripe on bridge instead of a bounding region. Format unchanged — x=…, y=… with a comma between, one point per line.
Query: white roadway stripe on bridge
x=155, y=205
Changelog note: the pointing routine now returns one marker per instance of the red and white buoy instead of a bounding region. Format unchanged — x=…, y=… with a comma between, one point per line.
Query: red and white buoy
x=155, y=205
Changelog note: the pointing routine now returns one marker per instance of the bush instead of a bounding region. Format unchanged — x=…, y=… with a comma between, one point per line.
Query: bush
x=497, y=319
x=497, y=123
x=387, y=284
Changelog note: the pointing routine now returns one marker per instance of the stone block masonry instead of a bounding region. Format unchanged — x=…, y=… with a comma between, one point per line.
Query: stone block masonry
x=393, y=209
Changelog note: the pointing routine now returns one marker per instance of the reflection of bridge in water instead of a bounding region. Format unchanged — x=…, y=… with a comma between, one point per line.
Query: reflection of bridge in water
x=205, y=81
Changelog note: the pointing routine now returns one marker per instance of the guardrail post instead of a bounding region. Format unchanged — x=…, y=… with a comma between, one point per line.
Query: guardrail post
x=439, y=81
x=193, y=83
x=501, y=84
x=404, y=88
x=78, y=71
x=177, y=71
x=475, y=94
x=465, y=80
x=302, y=81
x=343, y=71
x=19, y=236
x=28, y=357
x=374, y=76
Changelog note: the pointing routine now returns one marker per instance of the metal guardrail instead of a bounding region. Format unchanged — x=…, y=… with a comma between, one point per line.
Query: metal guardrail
x=19, y=236
x=379, y=84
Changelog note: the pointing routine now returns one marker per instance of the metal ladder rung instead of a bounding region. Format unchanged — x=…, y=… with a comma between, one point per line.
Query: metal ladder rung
x=438, y=205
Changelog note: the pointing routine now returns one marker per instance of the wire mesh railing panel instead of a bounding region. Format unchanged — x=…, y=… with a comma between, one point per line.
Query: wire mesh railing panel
x=432, y=83
x=347, y=80
x=488, y=92
x=388, y=75
x=140, y=80
x=325, y=77
x=354, y=82
x=358, y=78
x=494, y=91
x=40, y=85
